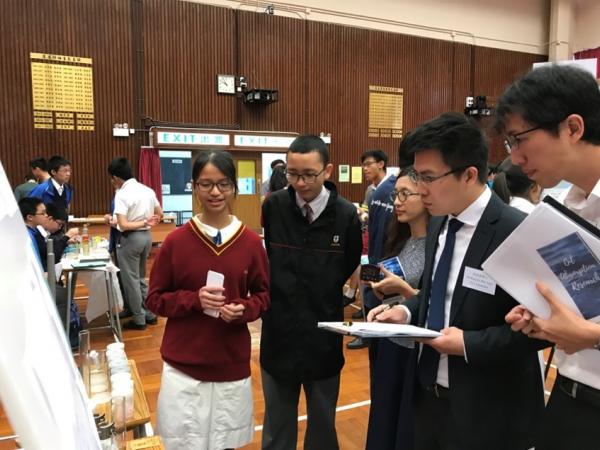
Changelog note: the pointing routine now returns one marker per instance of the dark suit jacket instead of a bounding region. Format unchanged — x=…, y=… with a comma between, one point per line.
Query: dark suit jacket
x=496, y=398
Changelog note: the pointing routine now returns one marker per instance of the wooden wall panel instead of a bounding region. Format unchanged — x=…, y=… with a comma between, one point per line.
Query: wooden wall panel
x=493, y=70
x=185, y=46
x=89, y=28
x=322, y=71
x=271, y=55
x=344, y=61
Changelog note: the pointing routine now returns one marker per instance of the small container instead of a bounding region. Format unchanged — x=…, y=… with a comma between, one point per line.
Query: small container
x=127, y=392
x=119, y=411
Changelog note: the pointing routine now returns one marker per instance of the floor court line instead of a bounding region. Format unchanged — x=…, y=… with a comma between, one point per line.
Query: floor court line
x=338, y=409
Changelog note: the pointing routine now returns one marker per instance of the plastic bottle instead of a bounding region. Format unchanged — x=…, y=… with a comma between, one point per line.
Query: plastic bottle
x=85, y=241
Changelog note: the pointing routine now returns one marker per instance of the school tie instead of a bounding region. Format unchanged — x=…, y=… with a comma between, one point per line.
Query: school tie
x=308, y=213
x=217, y=238
x=430, y=358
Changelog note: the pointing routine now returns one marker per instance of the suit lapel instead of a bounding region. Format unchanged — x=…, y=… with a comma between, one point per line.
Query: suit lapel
x=476, y=252
x=433, y=234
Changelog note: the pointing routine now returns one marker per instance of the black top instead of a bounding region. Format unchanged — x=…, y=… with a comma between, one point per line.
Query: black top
x=309, y=263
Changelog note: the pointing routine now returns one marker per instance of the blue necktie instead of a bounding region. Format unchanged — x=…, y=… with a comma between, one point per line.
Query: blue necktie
x=217, y=238
x=430, y=358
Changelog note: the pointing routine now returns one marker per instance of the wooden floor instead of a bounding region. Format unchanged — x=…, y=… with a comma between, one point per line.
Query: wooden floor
x=353, y=405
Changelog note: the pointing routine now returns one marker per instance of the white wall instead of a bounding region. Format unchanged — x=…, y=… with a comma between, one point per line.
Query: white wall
x=520, y=25
x=586, y=31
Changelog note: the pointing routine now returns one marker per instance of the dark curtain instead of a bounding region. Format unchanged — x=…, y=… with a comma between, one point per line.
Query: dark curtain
x=149, y=170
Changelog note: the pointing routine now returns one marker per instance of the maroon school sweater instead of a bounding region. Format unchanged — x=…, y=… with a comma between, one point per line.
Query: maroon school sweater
x=199, y=345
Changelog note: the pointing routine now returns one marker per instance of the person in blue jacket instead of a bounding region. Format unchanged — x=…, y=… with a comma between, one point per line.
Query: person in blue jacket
x=56, y=189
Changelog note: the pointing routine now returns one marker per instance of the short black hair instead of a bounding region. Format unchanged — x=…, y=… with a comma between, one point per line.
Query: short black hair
x=222, y=160
x=546, y=96
x=28, y=206
x=307, y=143
x=510, y=181
x=377, y=155
x=120, y=167
x=57, y=212
x=56, y=162
x=39, y=163
x=405, y=159
x=277, y=162
x=458, y=138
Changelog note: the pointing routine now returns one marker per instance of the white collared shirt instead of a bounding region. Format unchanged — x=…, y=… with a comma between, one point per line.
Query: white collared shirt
x=135, y=201
x=522, y=204
x=226, y=232
x=317, y=205
x=582, y=366
x=470, y=218
x=59, y=187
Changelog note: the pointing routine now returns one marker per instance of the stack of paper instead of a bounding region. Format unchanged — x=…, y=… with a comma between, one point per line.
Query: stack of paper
x=378, y=329
x=548, y=246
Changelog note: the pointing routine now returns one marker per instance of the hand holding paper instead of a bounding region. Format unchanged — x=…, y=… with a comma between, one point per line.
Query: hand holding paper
x=450, y=343
x=568, y=330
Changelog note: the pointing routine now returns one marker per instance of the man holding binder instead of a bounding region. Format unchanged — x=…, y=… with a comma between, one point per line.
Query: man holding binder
x=479, y=384
x=551, y=121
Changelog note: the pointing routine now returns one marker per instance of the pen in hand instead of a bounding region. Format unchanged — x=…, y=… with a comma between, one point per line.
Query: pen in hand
x=383, y=309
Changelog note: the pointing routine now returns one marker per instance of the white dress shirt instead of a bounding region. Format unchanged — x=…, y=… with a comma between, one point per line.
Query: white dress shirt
x=522, y=204
x=317, y=205
x=135, y=201
x=470, y=218
x=582, y=366
x=59, y=187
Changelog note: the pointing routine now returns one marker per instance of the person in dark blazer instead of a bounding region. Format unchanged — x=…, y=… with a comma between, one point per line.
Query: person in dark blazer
x=478, y=386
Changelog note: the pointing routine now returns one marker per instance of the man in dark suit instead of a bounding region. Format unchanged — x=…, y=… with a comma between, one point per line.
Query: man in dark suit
x=479, y=384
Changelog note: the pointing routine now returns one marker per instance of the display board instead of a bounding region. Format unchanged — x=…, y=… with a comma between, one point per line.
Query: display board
x=62, y=92
x=385, y=111
x=40, y=387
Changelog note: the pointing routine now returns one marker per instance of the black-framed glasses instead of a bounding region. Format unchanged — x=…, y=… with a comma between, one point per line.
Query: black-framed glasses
x=417, y=177
x=368, y=163
x=224, y=186
x=401, y=195
x=513, y=141
x=308, y=178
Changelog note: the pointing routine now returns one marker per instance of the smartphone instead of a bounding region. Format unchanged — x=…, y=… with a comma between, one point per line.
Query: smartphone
x=214, y=279
x=370, y=272
x=393, y=265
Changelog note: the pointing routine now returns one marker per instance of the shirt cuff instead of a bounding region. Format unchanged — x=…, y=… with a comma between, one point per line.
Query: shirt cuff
x=465, y=351
x=408, y=314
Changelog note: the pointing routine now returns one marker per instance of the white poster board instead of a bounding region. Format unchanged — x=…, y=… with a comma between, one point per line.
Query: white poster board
x=40, y=388
x=589, y=65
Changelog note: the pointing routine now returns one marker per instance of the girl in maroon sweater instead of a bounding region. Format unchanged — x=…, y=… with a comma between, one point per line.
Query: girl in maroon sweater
x=205, y=399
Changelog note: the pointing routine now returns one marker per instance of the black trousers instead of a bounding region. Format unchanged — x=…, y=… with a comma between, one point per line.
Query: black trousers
x=569, y=423
x=435, y=428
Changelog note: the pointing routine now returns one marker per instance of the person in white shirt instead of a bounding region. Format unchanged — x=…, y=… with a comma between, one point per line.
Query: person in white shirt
x=515, y=188
x=478, y=384
x=137, y=210
x=551, y=120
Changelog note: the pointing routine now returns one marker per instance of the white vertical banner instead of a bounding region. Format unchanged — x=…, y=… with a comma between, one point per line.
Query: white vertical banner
x=40, y=387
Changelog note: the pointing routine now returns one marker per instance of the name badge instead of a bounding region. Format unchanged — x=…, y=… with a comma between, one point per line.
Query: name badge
x=478, y=280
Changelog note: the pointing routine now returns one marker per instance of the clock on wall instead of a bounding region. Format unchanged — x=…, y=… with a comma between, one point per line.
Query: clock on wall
x=225, y=84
